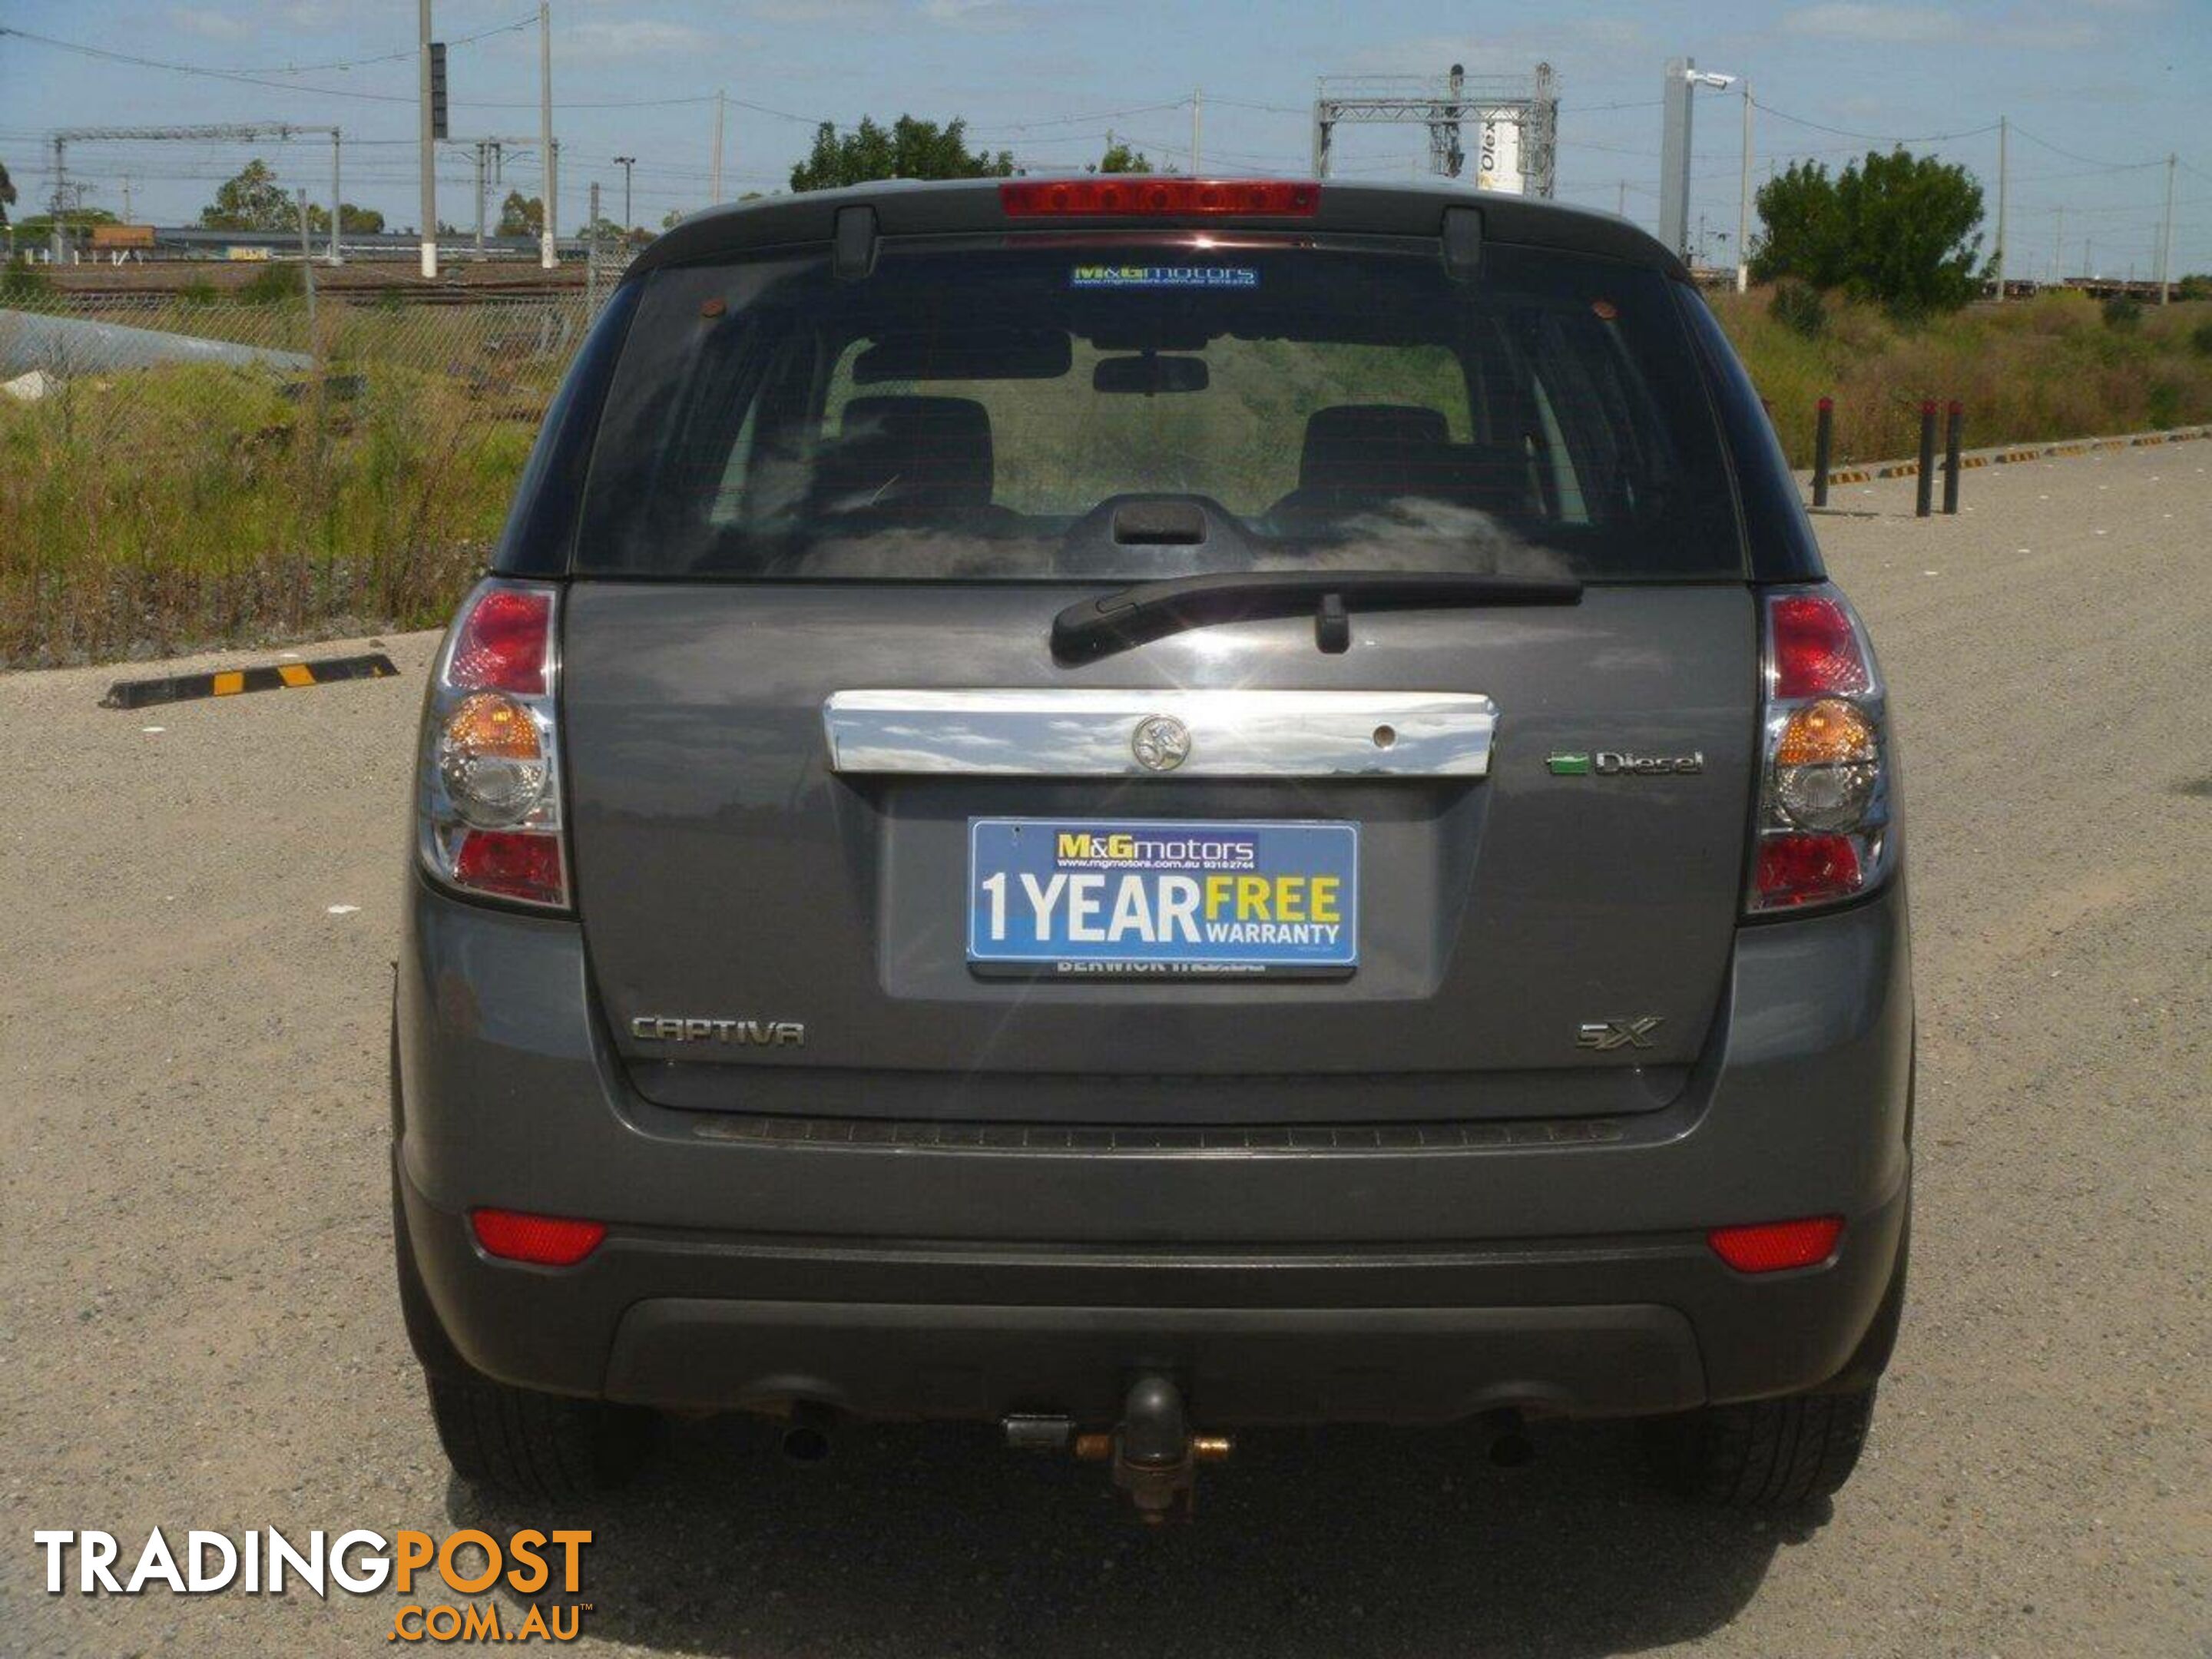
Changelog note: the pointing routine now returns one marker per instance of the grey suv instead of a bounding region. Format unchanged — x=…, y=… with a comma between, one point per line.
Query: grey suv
x=1141, y=807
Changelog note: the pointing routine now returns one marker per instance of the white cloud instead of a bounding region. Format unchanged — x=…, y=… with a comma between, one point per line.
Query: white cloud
x=1852, y=20
x=817, y=11
x=635, y=37
x=210, y=25
x=968, y=14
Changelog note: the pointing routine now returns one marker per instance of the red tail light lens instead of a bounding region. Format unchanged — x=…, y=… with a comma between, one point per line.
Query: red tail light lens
x=1816, y=649
x=504, y=642
x=547, y=1241
x=1773, y=1247
x=1826, y=794
x=1128, y=196
x=488, y=786
x=511, y=864
x=1795, y=869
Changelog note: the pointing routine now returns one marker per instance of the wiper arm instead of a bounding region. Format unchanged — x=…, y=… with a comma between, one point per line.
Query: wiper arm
x=1132, y=616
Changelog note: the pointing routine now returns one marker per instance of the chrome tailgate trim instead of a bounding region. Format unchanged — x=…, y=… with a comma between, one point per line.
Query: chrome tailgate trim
x=1224, y=733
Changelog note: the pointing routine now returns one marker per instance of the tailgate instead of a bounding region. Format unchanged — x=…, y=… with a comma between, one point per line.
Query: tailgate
x=1547, y=936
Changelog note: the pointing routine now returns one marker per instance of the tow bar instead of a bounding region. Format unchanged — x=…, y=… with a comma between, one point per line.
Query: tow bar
x=1154, y=1455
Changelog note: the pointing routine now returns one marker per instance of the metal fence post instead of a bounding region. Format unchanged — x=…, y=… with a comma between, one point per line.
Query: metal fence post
x=1824, y=431
x=308, y=267
x=592, y=255
x=1954, y=429
x=1926, y=482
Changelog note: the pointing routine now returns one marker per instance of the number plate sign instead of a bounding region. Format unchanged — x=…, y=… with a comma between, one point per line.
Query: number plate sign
x=1144, y=898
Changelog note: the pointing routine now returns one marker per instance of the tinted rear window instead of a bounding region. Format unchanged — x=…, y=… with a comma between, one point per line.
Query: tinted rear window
x=1016, y=411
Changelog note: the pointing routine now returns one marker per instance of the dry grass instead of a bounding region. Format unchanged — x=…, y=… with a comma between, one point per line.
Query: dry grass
x=2027, y=371
x=153, y=511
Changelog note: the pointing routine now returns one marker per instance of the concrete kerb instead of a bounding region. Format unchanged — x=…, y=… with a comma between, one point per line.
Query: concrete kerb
x=2008, y=454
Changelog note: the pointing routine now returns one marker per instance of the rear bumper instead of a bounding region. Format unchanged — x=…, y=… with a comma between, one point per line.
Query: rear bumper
x=1561, y=1273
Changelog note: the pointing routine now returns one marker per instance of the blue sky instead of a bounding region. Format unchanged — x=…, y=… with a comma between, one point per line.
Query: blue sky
x=2096, y=88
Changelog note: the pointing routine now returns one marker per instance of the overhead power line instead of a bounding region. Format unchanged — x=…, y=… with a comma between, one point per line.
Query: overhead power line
x=257, y=77
x=2089, y=161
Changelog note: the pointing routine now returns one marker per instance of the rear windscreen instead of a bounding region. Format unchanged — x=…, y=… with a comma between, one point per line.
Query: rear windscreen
x=1167, y=407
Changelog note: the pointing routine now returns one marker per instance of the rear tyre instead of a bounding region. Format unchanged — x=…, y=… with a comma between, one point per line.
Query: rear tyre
x=538, y=1446
x=543, y=1447
x=1765, y=1454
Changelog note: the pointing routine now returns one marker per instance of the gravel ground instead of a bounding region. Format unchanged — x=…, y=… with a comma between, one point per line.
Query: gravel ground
x=197, y=1327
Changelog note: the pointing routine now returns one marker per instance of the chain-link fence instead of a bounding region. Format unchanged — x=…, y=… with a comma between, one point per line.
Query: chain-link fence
x=273, y=457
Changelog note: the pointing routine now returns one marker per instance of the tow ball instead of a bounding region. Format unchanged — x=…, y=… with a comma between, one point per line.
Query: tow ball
x=1154, y=1455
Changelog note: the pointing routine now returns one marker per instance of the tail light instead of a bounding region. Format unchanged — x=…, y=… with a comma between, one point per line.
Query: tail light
x=1133, y=196
x=1827, y=781
x=489, y=789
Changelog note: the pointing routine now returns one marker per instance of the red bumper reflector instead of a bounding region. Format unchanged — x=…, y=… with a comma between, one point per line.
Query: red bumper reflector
x=546, y=1239
x=1772, y=1245
x=1125, y=195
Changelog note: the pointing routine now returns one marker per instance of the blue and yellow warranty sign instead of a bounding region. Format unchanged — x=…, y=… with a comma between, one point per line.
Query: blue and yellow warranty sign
x=1112, y=895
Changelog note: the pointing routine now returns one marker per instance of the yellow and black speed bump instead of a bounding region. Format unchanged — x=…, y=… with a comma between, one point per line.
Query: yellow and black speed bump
x=230, y=681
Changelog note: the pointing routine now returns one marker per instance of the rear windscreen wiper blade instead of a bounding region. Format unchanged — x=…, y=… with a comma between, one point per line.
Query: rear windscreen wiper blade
x=1131, y=615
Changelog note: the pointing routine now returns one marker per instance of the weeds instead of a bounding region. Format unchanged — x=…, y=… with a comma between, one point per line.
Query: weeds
x=154, y=511
x=2027, y=371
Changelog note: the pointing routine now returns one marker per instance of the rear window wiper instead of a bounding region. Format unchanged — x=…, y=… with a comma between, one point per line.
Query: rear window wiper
x=1131, y=615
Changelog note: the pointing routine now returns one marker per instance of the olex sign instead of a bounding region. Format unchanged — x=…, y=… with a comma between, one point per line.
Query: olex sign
x=1497, y=157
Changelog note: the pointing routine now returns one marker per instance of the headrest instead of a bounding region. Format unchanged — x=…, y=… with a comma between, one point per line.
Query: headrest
x=919, y=456
x=1367, y=447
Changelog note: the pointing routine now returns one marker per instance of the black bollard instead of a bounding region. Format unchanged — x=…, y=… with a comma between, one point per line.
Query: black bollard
x=1954, y=429
x=1926, y=494
x=1824, y=431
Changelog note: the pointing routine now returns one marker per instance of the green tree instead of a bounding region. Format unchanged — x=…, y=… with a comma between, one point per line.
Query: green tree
x=76, y=220
x=253, y=200
x=1120, y=158
x=1897, y=229
x=521, y=215
x=907, y=149
x=353, y=221
x=6, y=193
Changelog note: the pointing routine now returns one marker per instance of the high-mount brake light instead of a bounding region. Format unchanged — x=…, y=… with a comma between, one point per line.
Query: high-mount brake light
x=1128, y=196
x=488, y=787
x=1826, y=832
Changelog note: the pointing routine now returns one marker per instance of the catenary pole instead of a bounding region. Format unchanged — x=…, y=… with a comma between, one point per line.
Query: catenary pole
x=1743, y=202
x=1197, y=102
x=337, y=254
x=2004, y=189
x=549, y=221
x=2165, y=240
x=715, y=184
x=430, y=209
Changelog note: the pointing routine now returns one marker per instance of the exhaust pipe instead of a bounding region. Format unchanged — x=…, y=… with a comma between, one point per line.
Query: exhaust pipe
x=1508, y=1446
x=806, y=1438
